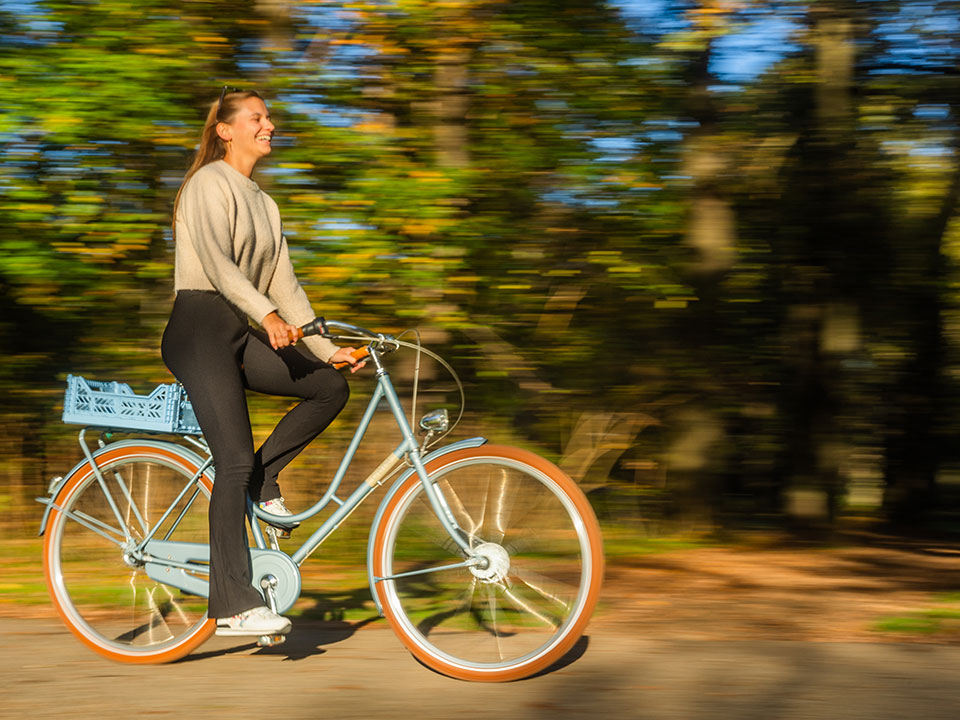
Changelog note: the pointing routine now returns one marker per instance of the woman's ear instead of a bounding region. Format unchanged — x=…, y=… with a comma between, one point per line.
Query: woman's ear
x=224, y=132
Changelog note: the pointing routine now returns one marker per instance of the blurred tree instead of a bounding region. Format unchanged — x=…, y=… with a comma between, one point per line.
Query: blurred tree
x=96, y=123
x=720, y=288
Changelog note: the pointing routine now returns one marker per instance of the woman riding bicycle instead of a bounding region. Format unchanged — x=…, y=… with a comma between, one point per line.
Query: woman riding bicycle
x=232, y=266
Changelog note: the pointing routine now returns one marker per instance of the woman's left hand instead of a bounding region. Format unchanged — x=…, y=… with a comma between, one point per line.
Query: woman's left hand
x=345, y=355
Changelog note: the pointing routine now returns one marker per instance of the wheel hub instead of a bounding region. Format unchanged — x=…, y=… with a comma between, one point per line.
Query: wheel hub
x=494, y=563
x=131, y=557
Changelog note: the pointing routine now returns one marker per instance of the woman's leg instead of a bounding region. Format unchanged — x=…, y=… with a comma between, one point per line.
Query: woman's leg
x=201, y=346
x=290, y=373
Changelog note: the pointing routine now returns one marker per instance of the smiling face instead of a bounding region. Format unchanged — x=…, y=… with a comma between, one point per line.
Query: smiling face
x=248, y=134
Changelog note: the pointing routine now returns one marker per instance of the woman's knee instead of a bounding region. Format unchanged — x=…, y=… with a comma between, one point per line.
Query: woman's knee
x=331, y=388
x=339, y=391
x=234, y=470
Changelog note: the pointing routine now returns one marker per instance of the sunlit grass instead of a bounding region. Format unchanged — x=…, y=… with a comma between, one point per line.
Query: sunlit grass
x=944, y=617
x=622, y=542
x=21, y=573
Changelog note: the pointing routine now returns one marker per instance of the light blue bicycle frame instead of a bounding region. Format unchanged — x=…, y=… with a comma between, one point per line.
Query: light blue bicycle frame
x=409, y=447
x=162, y=558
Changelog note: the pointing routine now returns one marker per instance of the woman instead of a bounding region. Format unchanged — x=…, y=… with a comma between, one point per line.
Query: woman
x=232, y=263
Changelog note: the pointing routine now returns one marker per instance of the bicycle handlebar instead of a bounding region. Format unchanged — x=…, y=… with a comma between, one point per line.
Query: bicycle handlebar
x=384, y=343
x=319, y=326
x=333, y=328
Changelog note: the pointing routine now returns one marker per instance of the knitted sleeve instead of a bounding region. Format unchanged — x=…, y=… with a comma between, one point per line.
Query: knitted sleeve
x=292, y=302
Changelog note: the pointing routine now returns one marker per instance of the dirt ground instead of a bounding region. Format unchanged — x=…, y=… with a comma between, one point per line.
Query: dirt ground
x=867, y=588
x=766, y=629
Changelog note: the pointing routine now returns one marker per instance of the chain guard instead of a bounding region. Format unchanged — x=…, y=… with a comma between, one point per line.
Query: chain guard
x=285, y=570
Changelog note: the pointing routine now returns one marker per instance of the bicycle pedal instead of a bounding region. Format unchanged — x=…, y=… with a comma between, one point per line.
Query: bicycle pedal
x=271, y=640
x=279, y=532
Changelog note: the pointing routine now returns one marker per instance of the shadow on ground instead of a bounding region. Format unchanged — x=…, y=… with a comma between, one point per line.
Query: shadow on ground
x=321, y=622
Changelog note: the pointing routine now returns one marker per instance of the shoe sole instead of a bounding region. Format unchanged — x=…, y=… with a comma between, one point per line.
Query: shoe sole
x=283, y=526
x=250, y=632
x=291, y=526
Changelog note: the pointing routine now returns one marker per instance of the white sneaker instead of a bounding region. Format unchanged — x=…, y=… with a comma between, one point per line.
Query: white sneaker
x=277, y=507
x=258, y=621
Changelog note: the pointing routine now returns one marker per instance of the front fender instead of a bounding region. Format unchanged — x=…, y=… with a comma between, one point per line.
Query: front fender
x=462, y=444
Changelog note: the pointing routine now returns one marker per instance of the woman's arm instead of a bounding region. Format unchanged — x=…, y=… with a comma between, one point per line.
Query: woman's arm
x=293, y=305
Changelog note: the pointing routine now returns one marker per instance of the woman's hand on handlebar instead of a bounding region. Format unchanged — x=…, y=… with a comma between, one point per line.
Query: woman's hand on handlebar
x=280, y=333
x=347, y=355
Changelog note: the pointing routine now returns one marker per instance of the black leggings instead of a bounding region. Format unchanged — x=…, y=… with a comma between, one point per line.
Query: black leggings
x=210, y=348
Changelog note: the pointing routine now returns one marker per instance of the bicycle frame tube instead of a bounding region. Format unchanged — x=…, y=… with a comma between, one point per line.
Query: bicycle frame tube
x=408, y=446
x=344, y=464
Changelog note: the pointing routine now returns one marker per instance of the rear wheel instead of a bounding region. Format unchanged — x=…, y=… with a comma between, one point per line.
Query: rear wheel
x=100, y=590
x=538, y=571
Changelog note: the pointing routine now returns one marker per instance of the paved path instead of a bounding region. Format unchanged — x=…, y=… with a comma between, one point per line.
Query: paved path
x=331, y=671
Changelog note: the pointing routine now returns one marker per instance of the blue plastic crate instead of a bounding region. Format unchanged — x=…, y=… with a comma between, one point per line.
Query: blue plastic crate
x=115, y=405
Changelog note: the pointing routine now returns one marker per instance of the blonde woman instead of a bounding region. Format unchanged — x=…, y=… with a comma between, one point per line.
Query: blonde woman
x=233, y=266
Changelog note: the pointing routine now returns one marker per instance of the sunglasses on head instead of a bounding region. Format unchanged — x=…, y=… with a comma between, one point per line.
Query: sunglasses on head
x=223, y=94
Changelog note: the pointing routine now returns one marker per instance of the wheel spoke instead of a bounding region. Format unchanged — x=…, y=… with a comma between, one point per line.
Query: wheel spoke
x=464, y=605
x=112, y=503
x=523, y=606
x=492, y=605
x=556, y=591
x=434, y=531
x=131, y=505
x=157, y=618
x=464, y=518
x=503, y=503
x=81, y=518
x=534, y=501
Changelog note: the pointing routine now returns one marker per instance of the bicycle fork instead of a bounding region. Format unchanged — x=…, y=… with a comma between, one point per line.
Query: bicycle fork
x=412, y=448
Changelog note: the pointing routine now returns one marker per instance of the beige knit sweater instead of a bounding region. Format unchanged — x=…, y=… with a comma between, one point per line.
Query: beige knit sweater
x=229, y=239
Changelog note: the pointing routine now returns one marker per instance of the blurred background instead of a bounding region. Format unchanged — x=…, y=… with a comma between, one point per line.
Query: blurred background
x=703, y=255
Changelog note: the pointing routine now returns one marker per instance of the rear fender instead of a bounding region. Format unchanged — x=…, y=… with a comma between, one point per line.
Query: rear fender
x=84, y=467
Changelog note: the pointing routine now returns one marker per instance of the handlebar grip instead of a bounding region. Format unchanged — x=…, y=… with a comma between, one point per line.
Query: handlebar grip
x=317, y=326
x=359, y=354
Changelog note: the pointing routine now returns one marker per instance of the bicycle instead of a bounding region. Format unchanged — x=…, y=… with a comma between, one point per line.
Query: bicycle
x=486, y=560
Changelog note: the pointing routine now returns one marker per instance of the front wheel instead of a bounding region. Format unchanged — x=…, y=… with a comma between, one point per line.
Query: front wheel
x=101, y=591
x=538, y=565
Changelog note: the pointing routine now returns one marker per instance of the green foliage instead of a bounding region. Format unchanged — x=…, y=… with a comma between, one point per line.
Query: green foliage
x=756, y=282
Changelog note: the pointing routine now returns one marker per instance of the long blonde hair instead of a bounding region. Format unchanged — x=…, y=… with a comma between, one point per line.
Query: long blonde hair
x=212, y=147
